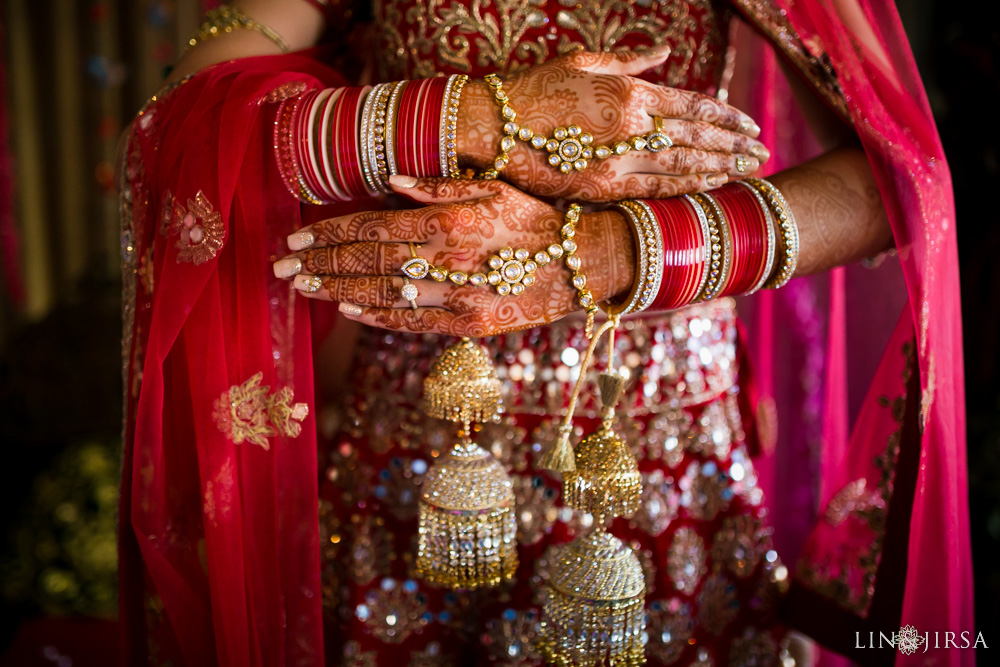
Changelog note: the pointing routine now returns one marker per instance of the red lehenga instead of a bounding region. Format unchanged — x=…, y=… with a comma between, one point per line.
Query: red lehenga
x=223, y=558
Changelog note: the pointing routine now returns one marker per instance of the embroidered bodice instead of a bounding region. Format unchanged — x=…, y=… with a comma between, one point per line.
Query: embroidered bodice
x=421, y=38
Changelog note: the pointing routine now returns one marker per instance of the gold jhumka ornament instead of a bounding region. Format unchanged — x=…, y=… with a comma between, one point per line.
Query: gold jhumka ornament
x=606, y=478
x=593, y=610
x=467, y=525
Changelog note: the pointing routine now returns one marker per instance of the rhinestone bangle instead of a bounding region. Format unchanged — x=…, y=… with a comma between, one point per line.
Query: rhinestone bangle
x=789, y=232
x=769, y=224
x=449, y=125
x=649, y=259
x=722, y=247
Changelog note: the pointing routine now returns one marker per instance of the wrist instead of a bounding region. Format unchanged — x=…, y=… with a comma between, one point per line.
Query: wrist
x=608, y=253
x=479, y=127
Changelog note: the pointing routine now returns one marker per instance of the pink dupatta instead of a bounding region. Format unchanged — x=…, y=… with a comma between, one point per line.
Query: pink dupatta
x=890, y=545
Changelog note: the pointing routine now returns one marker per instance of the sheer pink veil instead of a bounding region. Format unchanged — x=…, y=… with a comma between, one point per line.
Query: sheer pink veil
x=873, y=450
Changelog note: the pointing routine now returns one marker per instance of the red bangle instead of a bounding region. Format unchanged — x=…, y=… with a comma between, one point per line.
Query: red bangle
x=326, y=142
x=684, y=242
x=345, y=130
x=309, y=150
x=747, y=226
x=417, y=140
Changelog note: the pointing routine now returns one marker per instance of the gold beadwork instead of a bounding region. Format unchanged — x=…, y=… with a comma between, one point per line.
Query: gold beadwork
x=579, y=281
x=570, y=148
x=225, y=19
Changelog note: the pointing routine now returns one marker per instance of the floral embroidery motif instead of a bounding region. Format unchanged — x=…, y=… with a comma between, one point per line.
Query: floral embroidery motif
x=718, y=603
x=848, y=576
x=739, y=544
x=247, y=413
x=507, y=35
x=672, y=618
x=394, y=610
x=855, y=498
x=198, y=227
x=512, y=637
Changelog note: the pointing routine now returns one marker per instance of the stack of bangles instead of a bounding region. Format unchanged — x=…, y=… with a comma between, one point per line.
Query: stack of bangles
x=734, y=241
x=340, y=144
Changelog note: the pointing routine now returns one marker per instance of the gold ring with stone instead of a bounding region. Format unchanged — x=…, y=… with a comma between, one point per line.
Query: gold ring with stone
x=657, y=140
x=416, y=267
x=409, y=292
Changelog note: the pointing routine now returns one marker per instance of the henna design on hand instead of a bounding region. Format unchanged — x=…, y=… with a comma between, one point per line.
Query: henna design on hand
x=573, y=90
x=462, y=236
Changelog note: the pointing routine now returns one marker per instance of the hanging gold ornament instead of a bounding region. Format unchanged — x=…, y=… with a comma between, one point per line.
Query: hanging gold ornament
x=606, y=478
x=467, y=533
x=462, y=385
x=593, y=609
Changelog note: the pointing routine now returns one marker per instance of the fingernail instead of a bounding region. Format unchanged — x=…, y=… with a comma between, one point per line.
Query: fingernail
x=301, y=239
x=760, y=152
x=288, y=267
x=350, y=309
x=749, y=127
x=402, y=181
x=660, y=51
x=308, y=284
x=715, y=180
x=744, y=164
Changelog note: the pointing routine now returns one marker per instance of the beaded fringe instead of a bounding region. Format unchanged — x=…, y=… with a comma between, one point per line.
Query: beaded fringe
x=605, y=493
x=466, y=549
x=592, y=632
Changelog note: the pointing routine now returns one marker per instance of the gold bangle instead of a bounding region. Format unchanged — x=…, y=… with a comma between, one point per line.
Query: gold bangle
x=225, y=19
x=789, y=232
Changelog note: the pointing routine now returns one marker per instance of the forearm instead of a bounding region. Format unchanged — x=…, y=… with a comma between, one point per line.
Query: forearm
x=838, y=208
x=835, y=202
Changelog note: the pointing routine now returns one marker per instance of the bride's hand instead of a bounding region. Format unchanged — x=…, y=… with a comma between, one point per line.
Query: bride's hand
x=356, y=259
x=598, y=92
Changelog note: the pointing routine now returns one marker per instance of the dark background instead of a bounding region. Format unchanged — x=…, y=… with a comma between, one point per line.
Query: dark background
x=60, y=388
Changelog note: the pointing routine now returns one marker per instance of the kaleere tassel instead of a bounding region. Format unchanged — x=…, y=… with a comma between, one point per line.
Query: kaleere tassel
x=467, y=533
x=593, y=611
x=606, y=478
